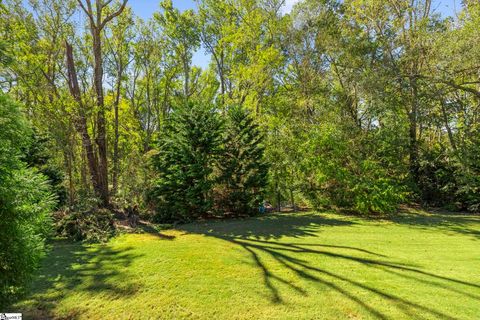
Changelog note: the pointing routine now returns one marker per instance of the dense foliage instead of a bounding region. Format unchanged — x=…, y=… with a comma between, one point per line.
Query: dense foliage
x=362, y=105
x=37, y=155
x=242, y=167
x=25, y=205
x=185, y=158
x=90, y=226
x=208, y=167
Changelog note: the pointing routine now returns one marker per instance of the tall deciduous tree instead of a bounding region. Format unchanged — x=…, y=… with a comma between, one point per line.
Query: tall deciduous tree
x=182, y=38
x=119, y=57
x=97, y=22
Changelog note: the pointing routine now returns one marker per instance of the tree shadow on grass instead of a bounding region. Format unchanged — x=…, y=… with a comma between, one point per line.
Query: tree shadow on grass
x=154, y=230
x=270, y=226
x=261, y=238
x=76, y=268
x=449, y=222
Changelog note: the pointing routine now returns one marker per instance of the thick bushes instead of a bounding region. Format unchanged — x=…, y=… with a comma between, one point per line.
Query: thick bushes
x=450, y=180
x=91, y=226
x=339, y=174
x=25, y=205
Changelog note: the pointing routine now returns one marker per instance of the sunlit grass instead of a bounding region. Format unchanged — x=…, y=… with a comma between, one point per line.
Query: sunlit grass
x=281, y=266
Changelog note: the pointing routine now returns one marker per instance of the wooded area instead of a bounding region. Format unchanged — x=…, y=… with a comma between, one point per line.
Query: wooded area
x=358, y=106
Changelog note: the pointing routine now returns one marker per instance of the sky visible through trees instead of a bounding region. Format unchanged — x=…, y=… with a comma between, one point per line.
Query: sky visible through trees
x=145, y=9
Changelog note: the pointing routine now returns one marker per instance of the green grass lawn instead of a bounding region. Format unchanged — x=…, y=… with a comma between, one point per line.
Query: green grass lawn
x=280, y=266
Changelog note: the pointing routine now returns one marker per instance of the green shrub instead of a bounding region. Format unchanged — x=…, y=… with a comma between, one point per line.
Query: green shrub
x=91, y=226
x=38, y=155
x=25, y=205
x=375, y=192
x=449, y=180
x=468, y=192
x=340, y=175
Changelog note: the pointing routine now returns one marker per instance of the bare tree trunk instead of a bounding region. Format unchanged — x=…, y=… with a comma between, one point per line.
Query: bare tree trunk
x=97, y=23
x=101, y=138
x=447, y=125
x=80, y=121
x=68, y=165
x=186, y=71
x=115, y=142
x=413, y=119
x=292, y=200
x=279, y=206
x=71, y=185
x=83, y=171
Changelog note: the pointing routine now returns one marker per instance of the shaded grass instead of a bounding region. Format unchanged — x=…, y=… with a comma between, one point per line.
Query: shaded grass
x=281, y=266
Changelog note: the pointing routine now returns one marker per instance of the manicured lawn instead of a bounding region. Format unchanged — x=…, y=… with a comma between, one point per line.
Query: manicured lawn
x=280, y=266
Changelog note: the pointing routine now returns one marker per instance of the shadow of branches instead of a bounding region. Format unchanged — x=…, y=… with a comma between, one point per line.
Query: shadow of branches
x=76, y=268
x=272, y=226
x=262, y=239
x=449, y=222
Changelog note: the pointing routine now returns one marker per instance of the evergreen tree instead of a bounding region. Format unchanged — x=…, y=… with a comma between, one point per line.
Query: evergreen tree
x=243, y=169
x=185, y=162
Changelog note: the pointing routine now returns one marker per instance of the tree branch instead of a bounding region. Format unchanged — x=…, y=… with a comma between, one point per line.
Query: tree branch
x=106, y=3
x=88, y=11
x=113, y=15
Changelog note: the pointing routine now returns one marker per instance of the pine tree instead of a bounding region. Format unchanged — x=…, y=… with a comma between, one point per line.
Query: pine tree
x=185, y=161
x=243, y=169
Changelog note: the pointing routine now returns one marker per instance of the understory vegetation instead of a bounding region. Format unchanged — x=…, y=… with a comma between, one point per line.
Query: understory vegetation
x=109, y=122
